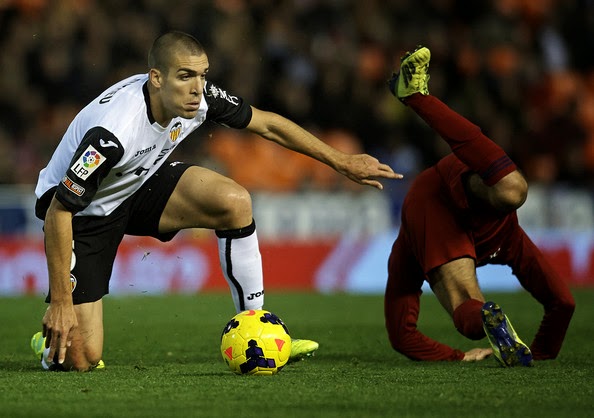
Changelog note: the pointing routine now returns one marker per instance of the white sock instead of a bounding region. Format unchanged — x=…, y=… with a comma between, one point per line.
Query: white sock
x=241, y=263
x=45, y=362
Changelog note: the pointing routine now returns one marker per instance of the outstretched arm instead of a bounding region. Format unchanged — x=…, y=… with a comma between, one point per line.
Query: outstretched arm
x=538, y=276
x=361, y=168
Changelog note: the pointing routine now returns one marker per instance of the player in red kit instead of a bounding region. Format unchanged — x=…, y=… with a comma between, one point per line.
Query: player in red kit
x=460, y=214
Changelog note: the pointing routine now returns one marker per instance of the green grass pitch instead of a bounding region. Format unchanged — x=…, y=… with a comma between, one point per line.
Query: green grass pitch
x=162, y=360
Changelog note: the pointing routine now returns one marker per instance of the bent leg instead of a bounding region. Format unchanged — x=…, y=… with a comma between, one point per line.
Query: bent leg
x=468, y=143
x=456, y=287
x=205, y=199
x=87, y=342
x=497, y=179
x=94, y=248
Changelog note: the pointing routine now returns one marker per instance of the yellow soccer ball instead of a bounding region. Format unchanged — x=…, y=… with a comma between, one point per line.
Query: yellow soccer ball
x=255, y=342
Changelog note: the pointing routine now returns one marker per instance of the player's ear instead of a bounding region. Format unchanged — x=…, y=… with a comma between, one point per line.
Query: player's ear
x=155, y=77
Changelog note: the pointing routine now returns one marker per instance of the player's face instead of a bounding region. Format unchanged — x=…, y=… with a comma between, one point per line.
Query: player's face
x=183, y=86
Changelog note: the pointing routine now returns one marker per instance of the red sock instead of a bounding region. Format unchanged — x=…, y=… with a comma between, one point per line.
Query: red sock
x=466, y=140
x=468, y=320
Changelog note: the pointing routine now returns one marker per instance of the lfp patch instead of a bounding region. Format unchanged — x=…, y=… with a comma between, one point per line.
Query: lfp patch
x=87, y=163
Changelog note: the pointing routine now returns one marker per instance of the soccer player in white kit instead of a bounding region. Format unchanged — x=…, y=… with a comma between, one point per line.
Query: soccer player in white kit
x=108, y=178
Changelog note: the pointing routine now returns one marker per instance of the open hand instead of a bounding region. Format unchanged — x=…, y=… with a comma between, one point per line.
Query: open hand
x=59, y=323
x=365, y=169
x=477, y=354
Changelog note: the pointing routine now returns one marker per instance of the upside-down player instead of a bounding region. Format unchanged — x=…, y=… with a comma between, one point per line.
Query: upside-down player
x=460, y=214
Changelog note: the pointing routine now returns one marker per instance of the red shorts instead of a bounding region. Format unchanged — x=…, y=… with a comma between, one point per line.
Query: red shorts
x=439, y=226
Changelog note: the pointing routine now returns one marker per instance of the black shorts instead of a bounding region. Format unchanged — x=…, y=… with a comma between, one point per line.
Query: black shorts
x=96, y=238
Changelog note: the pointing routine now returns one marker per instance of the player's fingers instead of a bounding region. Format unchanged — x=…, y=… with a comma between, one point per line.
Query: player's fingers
x=385, y=171
x=373, y=183
x=486, y=353
x=59, y=342
x=62, y=353
x=390, y=175
x=482, y=354
x=65, y=343
x=51, y=342
x=385, y=167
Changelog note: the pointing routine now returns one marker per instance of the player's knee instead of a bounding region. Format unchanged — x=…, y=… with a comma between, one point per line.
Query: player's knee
x=82, y=360
x=81, y=364
x=236, y=207
x=511, y=192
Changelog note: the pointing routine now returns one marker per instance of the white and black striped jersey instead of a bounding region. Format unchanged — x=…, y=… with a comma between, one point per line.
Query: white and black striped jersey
x=114, y=145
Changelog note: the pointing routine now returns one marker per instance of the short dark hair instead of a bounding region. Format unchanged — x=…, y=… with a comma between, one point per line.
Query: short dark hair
x=166, y=45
